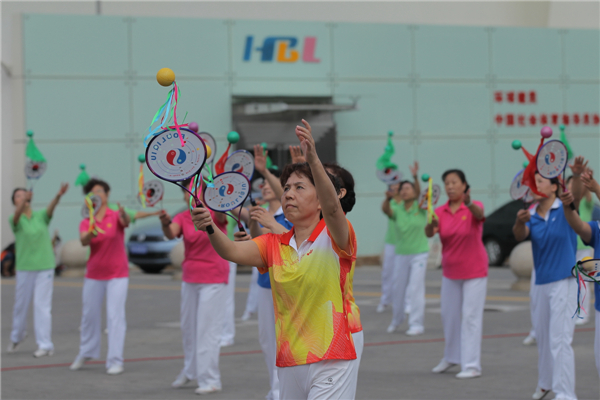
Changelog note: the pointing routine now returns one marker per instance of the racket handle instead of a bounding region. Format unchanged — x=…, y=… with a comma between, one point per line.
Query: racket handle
x=252, y=202
x=210, y=230
x=241, y=228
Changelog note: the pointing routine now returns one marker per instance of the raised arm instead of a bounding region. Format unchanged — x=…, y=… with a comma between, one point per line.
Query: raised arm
x=123, y=216
x=56, y=199
x=578, y=167
x=334, y=216
x=21, y=208
x=86, y=237
x=170, y=229
x=581, y=228
x=587, y=178
x=146, y=214
x=520, y=230
x=260, y=163
x=244, y=253
x=432, y=228
x=386, y=206
x=414, y=171
x=474, y=208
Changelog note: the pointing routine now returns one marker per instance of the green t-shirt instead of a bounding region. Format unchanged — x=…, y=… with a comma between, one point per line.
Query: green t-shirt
x=231, y=225
x=391, y=236
x=585, y=212
x=129, y=211
x=33, y=246
x=410, y=226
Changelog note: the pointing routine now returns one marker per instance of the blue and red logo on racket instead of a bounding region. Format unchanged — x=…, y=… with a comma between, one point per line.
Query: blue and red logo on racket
x=550, y=158
x=176, y=157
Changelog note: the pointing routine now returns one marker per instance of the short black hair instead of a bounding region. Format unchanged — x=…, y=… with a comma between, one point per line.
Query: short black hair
x=404, y=182
x=458, y=172
x=15, y=192
x=95, y=182
x=347, y=182
x=553, y=181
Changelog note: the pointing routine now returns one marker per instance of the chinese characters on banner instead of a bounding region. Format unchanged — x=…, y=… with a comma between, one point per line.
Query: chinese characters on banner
x=523, y=119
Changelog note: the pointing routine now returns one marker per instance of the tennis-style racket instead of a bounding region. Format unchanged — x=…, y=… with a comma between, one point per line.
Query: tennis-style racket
x=34, y=171
x=519, y=191
x=551, y=162
x=153, y=191
x=171, y=162
x=435, y=196
x=229, y=191
x=389, y=176
x=210, y=141
x=587, y=270
x=241, y=161
x=91, y=205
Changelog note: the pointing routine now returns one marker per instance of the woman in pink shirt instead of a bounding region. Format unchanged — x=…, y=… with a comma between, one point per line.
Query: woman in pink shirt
x=203, y=295
x=465, y=267
x=107, y=274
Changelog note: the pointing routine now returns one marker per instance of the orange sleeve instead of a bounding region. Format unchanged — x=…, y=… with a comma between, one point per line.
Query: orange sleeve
x=264, y=244
x=350, y=252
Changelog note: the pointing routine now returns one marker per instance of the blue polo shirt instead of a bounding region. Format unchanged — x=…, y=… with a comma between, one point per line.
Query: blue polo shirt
x=263, y=279
x=554, y=244
x=595, y=243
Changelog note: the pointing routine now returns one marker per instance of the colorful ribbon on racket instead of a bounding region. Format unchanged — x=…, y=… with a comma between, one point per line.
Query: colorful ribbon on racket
x=585, y=270
x=90, y=205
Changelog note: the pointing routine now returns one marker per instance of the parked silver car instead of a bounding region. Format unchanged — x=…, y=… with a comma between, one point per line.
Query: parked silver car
x=149, y=249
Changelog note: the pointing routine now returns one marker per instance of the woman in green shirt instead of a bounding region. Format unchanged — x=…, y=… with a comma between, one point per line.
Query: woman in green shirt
x=410, y=262
x=392, y=199
x=35, y=265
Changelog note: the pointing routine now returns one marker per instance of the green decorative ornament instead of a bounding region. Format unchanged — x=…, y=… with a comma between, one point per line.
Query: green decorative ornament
x=425, y=177
x=142, y=158
x=233, y=137
x=83, y=177
x=525, y=164
x=264, y=145
x=390, y=133
x=516, y=144
x=29, y=133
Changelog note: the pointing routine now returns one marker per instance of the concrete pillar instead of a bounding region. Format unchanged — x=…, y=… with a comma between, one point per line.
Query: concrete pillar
x=176, y=255
x=521, y=264
x=74, y=256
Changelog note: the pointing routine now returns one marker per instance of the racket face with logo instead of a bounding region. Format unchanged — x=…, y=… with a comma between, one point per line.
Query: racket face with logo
x=436, y=192
x=240, y=161
x=552, y=159
x=96, y=203
x=34, y=170
x=389, y=176
x=517, y=189
x=212, y=143
x=169, y=161
x=589, y=270
x=153, y=192
x=229, y=191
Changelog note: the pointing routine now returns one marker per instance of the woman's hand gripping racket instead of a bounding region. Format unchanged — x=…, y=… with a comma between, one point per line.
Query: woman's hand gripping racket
x=229, y=192
x=551, y=162
x=241, y=161
x=171, y=162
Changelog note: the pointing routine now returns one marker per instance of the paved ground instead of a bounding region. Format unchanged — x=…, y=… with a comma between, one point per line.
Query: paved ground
x=394, y=366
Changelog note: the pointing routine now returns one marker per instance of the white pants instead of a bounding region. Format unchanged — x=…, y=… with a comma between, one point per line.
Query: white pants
x=267, y=338
x=585, y=301
x=91, y=319
x=387, y=272
x=532, y=298
x=359, y=344
x=409, y=277
x=228, y=334
x=323, y=380
x=554, y=328
x=201, y=324
x=597, y=342
x=463, y=301
x=252, y=300
x=39, y=285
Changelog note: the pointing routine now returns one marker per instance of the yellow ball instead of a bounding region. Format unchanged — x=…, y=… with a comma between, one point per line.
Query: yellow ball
x=165, y=76
x=208, y=151
x=586, y=258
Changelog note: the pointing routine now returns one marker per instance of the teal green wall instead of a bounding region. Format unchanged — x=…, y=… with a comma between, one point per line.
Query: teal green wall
x=90, y=93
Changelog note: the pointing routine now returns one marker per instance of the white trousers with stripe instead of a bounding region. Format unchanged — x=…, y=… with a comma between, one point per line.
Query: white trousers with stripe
x=267, y=338
x=252, y=300
x=597, y=342
x=201, y=326
x=585, y=301
x=409, y=281
x=228, y=334
x=93, y=294
x=323, y=380
x=554, y=328
x=387, y=272
x=359, y=343
x=463, y=301
x=39, y=286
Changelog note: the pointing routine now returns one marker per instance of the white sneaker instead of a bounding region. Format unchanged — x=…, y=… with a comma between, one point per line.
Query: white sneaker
x=582, y=321
x=529, y=341
x=540, y=393
x=468, y=374
x=12, y=347
x=78, y=363
x=247, y=315
x=226, y=343
x=207, y=389
x=443, y=366
x=180, y=381
x=414, y=331
x=115, y=370
x=41, y=353
x=381, y=308
x=392, y=328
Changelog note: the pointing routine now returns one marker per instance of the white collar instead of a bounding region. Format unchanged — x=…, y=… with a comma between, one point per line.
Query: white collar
x=557, y=203
x=279, y=211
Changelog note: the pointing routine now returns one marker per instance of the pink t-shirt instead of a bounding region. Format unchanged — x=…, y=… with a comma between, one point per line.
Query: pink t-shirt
x=108, y=258
x=201, y=262
x=463, y=253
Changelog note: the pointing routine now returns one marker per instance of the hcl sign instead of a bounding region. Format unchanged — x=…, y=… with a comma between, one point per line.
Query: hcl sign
x=282, y=49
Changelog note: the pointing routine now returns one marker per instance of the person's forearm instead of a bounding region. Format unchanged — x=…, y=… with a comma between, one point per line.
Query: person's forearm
x=125, y=220
x=476, y=211
x=577, y=189
x=144, y=214
x=520, y=231
x=168, y=231
x=580, y=227
x=52, y=205
x=417, y=186
x=278, y=229
x=18, y=212
x=429, y=230
x=255, y=229
x=274, y=183
x=326, y=193
x=86, y=238
x=226, y=248
x=385, y=207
